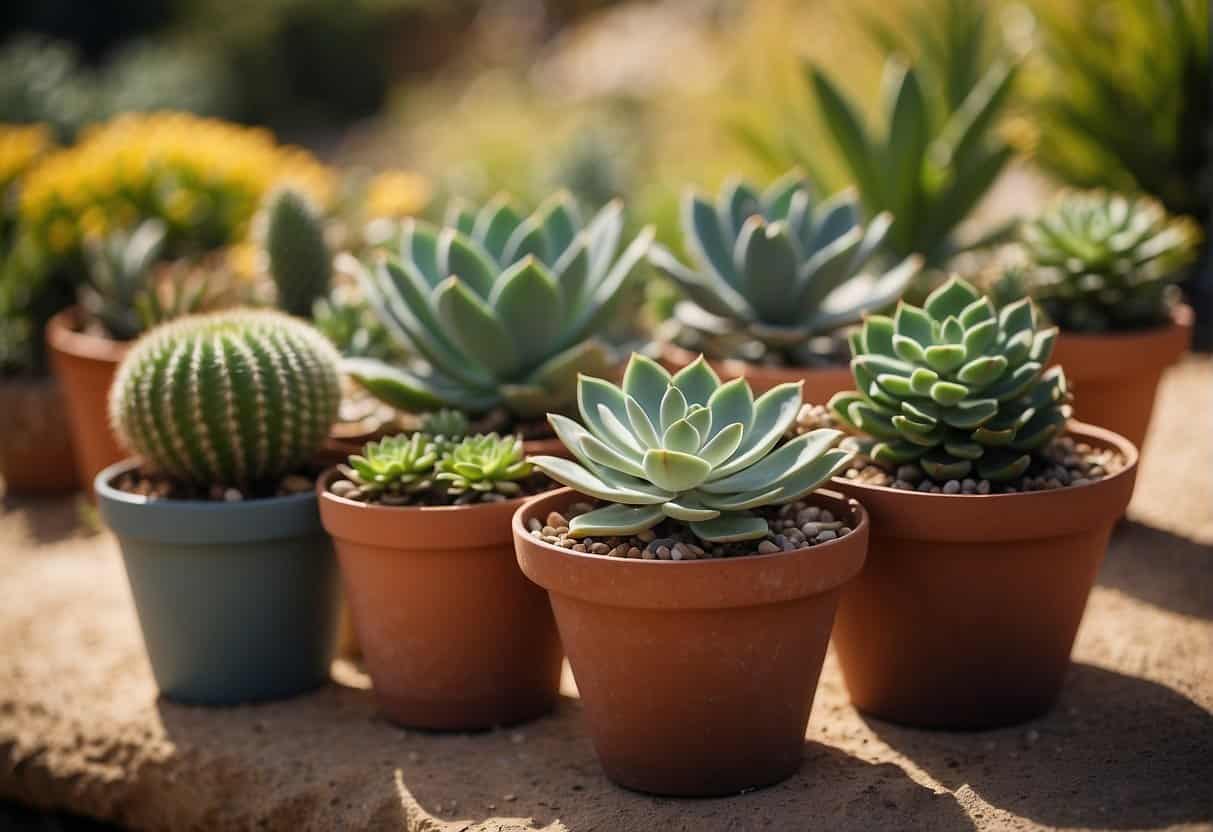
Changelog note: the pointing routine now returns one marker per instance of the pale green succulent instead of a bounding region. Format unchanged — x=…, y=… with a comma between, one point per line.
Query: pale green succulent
x=445, y=428
x=120, y=272
x=955, y=387
x=779, y=267
x=484, y=464
x=502, y=307
x=402, y=464
x=689, y=448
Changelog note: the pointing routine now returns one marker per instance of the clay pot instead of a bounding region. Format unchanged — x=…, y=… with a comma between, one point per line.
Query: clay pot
x=36, y=455
x=966, y=611
x=85, y=364
x=1115, y=376
x=696, y=677
x=820, y=383
x=237, y=601
x=454, y=637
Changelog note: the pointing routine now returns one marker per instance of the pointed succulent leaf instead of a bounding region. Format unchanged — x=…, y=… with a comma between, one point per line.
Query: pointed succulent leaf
x=528, y=240
x=688, y=510
x=475, y=327
x=697, y=381
x=615, y=521
x=495, y=224
x=462, y=257
x=642, y=426
x=673, y=407
x=528, y=303
x=682, y=437
x=950, y=299
x=730, y=528
x=774, y=413
x=675, y=471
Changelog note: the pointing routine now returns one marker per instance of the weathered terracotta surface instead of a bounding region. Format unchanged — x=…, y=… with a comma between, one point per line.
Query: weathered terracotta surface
x=697, y=677
x=1115, y=377
x=966, y=611
x=453, y=636
x=85, y=366
x=819, y=383
x=36, y=454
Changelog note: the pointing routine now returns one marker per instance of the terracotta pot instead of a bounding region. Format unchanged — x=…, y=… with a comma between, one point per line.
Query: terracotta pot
x=454, y=637
x=85, y=366
x=36, y=455
x=1115, y=377
x=819, y=383
x=697, y=677
x=966, y=611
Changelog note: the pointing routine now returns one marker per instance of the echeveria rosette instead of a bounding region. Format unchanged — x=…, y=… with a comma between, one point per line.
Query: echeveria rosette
x=1106, y=261
x=686, y=447
x=780, y=267
x=955, y=387
x=485, y=463
x=502, y=307
x=402, y=464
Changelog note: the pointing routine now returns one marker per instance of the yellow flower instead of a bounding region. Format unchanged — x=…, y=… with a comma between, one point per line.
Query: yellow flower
x=21, y=145
x=396, y=193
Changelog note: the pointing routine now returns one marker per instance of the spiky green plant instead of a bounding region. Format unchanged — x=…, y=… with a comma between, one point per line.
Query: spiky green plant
x=779, y=269
x=402, y=464
x=232, y=398
x=446, y=422
x=484, y=464
x=300, y=262
x=955, y=386
x=1104, y=261
x=503, y=307
x=689, y=448
x=346, y=320
x=120, y=271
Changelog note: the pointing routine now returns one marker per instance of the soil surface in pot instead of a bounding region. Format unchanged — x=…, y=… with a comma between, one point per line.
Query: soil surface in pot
x=792, y=526
x=158, y=486
x=346, y=487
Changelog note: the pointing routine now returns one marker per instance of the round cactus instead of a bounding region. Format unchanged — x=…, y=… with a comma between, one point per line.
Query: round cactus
x=232, y=398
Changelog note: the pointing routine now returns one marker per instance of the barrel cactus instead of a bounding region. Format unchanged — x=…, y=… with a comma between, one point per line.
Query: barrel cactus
x=1105, y=261
x=232, y=398
x=689, y=448
x=779, y=268
x=955, y=386
x=502, y=307
x=299, y=259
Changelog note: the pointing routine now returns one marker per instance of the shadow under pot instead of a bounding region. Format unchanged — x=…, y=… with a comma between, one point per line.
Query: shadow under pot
x=696, y=677
x=966, y=611
x=820, y=383
x=1115, y=376
x=452, y=634
x=237, y=601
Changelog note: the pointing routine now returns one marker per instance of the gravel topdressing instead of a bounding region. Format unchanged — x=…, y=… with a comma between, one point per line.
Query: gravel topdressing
x=430, y=496
x=156, y=486
x=793, y=526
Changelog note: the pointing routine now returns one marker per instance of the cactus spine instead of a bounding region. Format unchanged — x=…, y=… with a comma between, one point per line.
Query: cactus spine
x=231, y=398
x=299, y=259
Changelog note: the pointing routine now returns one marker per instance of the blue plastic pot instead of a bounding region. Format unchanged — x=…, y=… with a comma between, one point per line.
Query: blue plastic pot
x=237, y=601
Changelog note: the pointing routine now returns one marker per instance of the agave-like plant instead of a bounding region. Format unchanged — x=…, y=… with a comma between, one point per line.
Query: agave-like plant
x=688, y=448
x=1105, y=261
x=779, y=268
x=955, y=386
x=501, y=306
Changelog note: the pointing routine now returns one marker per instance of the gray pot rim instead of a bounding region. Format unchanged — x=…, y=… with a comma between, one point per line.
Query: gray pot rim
x=202, y=521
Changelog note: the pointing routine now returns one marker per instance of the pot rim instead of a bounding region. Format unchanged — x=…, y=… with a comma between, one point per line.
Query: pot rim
x=1181, y=317
x=63, y=334
x=1074, y=429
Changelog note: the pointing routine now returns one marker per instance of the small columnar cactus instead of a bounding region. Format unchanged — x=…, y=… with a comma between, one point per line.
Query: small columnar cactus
x=299, y=259
x=486, y=463
x=1105, y=261
x=400, y=464
x=778, y=267
x=232, y=398
x=689, y=448
x=955, y=386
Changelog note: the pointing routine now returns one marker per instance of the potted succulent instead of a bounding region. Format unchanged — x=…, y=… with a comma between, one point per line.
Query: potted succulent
x=990, y=512
x=501, y=307
x=777, y=279
x=453, y=636
x=1103, y=267
x=695, y=590
x=233, y=577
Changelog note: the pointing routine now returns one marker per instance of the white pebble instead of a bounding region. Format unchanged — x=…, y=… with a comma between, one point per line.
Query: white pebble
x=766, y=547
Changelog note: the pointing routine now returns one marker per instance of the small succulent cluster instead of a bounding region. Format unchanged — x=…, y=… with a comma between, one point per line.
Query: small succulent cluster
x=233, y=398
x=424, y=468
x=955, y=387
x=1103, y=261
x=501, y=306
x=445, y=427
x=688, y=448
x=779, y=269
x=299, y=259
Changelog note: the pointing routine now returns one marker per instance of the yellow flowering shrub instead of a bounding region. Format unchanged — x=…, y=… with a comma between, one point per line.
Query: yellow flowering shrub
x=21, y=145
x=203, y=177
x=395, y=194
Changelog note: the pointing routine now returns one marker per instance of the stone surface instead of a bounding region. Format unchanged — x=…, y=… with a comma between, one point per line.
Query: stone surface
x=1130, y=746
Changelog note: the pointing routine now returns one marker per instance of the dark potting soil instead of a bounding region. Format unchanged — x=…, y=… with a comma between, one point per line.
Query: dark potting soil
x=159, y=486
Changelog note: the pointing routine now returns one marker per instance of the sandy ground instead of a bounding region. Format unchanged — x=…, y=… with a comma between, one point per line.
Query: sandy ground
x=1130, y=746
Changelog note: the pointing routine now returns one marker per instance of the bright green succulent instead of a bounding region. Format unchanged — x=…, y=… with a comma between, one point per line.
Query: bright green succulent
x=300, y=262
x=1104, y=261
x=501, y=306
x=231, y=398
x=688, y=448
x=402, y=464
x=955, y=387
x=778, y=268
x=484, y=464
